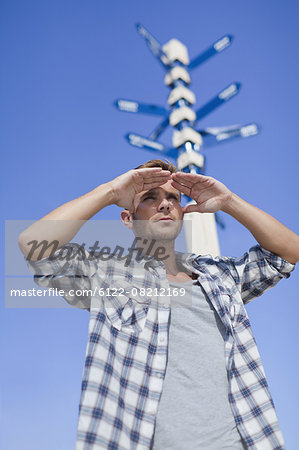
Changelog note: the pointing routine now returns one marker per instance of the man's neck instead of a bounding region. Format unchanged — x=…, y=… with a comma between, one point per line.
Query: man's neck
x=163, y=250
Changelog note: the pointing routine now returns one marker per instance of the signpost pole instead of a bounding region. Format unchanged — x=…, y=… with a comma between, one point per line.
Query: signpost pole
x=187, y=141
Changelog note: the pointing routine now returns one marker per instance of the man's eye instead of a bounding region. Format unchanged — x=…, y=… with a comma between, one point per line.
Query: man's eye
x=148, y=196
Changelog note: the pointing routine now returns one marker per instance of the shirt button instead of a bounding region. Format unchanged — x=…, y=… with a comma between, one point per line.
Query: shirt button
x=158, y=375
x=165, y=305
x=152, y=412
x=162, y=339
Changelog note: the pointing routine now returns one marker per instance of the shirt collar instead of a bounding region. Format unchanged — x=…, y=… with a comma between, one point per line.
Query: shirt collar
x=184, y=260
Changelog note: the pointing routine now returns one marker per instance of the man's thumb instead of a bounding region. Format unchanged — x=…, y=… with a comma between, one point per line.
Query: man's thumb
x=190, y=208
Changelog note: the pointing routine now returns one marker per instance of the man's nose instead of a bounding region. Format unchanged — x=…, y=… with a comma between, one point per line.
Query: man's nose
x=164, y=204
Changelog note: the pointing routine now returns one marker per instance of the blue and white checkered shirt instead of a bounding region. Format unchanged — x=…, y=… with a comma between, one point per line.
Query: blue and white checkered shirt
x=127, y=349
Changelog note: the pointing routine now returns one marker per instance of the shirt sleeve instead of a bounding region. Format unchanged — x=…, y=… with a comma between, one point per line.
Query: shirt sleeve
x=256, y=271
x=69, y=269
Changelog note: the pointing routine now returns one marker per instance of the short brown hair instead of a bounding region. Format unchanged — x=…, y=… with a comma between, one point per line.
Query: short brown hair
x=165, y=165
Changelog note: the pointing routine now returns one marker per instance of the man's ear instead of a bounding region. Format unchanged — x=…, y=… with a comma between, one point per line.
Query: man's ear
x=126, y=218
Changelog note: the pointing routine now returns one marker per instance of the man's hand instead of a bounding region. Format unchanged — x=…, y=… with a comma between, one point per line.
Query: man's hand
x=210, y=195
x=128, y=185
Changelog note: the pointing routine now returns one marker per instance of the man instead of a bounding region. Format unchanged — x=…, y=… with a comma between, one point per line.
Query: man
x=158, y=373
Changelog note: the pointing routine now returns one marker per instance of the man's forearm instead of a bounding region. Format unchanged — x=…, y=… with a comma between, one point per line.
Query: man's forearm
x=85, y=207
x=64, y=222
x=269, y=232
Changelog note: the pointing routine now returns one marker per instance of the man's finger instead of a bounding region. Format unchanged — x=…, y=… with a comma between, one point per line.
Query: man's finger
x=150, y=171
x=164, y=177
x=190, y=208
x=180, y=187
x=184, y=181
x=153, y=184
x=159, y=179
x=189, y=177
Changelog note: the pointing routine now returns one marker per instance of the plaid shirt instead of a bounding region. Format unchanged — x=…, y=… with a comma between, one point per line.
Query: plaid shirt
x=126, y=355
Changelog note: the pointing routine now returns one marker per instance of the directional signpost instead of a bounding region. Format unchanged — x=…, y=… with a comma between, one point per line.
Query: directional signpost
x=187, y=141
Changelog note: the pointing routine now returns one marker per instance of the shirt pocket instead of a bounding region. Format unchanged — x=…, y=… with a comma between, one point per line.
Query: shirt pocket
x=126, y=312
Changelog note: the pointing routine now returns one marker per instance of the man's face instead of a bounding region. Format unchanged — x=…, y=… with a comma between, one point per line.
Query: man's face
x=158, y=213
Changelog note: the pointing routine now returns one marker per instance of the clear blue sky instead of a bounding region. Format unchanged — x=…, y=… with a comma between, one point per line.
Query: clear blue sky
x=63, y=64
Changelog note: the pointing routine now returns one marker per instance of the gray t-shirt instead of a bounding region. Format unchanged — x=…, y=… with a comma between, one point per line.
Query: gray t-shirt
x=194, y=410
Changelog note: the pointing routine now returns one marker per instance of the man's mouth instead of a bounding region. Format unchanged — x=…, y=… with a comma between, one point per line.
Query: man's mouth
x=165, y=218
